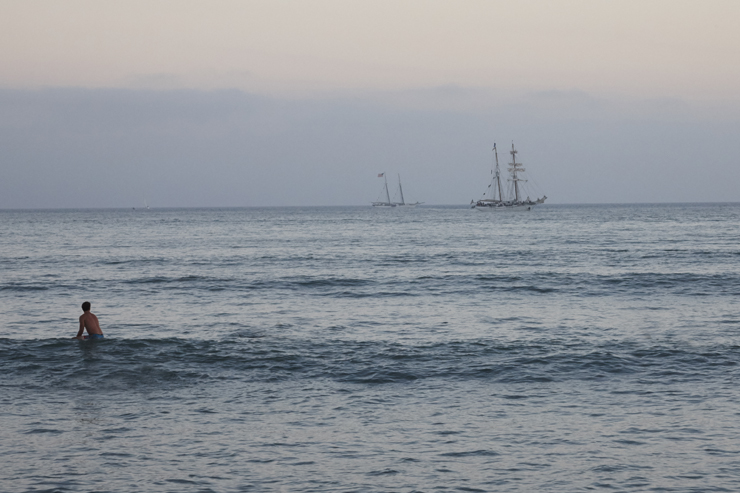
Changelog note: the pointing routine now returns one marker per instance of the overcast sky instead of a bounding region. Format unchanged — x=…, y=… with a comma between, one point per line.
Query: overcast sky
x=251, y=103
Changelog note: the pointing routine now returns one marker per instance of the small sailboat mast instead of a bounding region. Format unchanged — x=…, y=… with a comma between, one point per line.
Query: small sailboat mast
x=387, y=202
x=400, y=189
x=498, y=175
x=388, y=195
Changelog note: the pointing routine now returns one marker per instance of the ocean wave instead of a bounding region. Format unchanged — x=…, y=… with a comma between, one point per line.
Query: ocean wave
x=538, y=283
x=173, y=362
x=23, y=287
x=434, y=273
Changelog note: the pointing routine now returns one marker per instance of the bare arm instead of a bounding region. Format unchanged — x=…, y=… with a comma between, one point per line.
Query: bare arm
x=82, y=328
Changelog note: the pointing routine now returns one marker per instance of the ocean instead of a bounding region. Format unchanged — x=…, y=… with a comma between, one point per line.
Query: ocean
x=350, y=349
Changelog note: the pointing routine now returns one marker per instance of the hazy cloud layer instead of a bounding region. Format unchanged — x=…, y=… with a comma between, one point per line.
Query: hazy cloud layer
x=120, y=148
x=678, y=48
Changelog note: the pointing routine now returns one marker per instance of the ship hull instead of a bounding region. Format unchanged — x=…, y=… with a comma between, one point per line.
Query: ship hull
x=506, y=208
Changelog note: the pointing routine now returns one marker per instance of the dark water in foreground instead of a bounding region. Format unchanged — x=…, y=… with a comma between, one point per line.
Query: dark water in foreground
x=572, y=348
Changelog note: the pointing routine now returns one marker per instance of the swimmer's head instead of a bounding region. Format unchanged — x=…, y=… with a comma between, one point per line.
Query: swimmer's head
x=86, y=306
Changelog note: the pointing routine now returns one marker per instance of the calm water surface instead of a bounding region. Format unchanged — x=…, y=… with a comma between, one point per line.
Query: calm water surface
x=572, y=348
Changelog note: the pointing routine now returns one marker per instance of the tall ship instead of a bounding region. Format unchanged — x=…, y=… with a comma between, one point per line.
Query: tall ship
x=500, y=197
x=388, y=202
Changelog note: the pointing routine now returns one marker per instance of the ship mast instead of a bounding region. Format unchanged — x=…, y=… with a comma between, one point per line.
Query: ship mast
x=386, y=189
x=515, y=167
x=498, y=175
x=400, y=189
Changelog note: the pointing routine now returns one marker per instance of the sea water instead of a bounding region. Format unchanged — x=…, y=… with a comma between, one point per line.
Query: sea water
x=569, y=348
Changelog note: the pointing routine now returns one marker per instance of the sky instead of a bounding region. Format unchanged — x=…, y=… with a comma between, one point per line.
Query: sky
x=271, y=103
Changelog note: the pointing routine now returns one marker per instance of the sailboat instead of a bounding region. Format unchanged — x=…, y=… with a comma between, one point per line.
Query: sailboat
x=403, y=203
x=388, y=202
x=513, y=201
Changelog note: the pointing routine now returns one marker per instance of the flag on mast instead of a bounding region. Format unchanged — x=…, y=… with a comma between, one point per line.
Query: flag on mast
x=380, y=175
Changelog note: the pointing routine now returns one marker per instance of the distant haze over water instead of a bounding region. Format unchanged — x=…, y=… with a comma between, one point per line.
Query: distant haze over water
x=88, y=148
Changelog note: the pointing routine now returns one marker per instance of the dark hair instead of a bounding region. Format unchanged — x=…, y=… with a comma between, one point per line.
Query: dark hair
x=86, y=306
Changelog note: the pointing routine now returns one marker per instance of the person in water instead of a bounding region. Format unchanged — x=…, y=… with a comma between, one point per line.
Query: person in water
x=89, y=321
